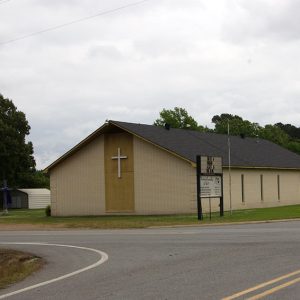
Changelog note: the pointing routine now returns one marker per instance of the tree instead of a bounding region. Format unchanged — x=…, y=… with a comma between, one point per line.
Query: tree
x=217, y=119
x=274, y=134
x=17, y=163
x=285, y=135
x=237, y=125
x=294, y=146
x=34, y=179
x=178, y=118
x=291, y=130
x=293, y=133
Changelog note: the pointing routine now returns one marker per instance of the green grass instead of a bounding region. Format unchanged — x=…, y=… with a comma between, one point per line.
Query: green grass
x=16, y=265
x=37, y=218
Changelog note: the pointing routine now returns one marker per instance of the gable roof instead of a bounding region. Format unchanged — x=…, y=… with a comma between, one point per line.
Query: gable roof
x=245, y=152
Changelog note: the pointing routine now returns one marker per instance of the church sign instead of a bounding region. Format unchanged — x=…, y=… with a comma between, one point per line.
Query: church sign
x=209, y=181
x=211, y=165
x=210, y=186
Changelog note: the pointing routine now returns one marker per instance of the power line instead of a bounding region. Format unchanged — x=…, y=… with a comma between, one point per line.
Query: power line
x=105, y=12
x=4, y=1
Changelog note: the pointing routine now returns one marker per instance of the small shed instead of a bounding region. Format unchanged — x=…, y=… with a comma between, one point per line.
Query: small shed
x=37, y=198
x=27, y=198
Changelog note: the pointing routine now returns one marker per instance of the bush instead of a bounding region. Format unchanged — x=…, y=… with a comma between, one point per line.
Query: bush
x=48, y=211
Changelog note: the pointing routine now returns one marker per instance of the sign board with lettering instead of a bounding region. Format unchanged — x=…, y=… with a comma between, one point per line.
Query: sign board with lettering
x=209, y=181
x=210, y=186
x=211, y=165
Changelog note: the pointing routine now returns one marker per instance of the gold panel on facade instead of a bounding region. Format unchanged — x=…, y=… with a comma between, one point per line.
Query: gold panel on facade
x=119, y=185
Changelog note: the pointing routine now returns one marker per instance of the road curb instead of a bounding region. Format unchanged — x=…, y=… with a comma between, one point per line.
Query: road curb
x=23, y=227
x=227, y=223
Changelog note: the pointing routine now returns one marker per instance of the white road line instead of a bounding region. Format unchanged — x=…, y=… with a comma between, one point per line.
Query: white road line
x=51, y=233
x=104, y=258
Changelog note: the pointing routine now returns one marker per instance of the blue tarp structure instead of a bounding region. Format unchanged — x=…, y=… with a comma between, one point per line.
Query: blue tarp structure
x=6, y=198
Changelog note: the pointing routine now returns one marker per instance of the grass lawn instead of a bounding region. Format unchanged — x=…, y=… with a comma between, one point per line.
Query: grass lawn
x=37, y=218
x=16, y=265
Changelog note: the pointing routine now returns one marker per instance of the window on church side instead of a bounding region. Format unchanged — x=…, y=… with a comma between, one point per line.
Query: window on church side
x=243, y=188
x=262, y=187
x=278, y=187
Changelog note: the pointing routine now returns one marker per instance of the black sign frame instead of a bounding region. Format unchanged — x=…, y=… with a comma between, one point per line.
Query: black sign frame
x=199, y=201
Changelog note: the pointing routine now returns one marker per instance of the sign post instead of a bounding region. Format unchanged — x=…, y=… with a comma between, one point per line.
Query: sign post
x=199, y=204
x=209, y=181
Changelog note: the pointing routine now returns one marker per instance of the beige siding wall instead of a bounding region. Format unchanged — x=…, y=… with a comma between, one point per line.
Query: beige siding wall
x=167, y=184
x=163, y=183
x=289, y=188
x=77, y=184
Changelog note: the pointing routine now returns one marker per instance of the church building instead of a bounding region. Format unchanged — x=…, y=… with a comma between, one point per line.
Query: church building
x=127, y=168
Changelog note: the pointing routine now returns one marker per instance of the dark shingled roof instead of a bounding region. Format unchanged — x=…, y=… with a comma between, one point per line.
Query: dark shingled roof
x=245, y=152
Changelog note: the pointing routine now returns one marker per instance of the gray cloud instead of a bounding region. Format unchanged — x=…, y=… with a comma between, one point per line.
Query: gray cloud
x=208, y=57
x=267, y=20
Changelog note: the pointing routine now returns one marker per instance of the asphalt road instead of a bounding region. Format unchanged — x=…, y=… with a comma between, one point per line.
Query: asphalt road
x=166, y=263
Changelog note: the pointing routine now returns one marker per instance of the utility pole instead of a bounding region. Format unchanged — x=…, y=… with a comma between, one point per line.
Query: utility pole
x=229, y=165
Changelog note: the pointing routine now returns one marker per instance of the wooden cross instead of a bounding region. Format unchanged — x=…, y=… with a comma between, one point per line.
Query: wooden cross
x=119, y=157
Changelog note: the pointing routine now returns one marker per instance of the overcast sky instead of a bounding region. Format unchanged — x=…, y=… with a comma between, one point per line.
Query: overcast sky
x=209, y=57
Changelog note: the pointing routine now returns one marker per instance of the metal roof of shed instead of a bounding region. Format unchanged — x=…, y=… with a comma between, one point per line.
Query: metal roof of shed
x=35, y=191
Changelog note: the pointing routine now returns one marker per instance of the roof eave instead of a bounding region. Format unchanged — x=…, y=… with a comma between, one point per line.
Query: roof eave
x=152, y=143
x=115, y=123
x=263, y=167
x=77, y=147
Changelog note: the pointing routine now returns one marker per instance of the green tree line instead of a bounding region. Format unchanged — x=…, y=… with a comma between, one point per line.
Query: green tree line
x=17, y=163
x=285, y=135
